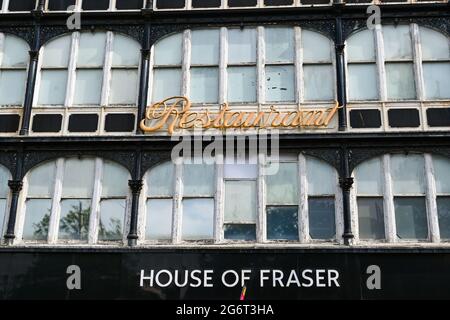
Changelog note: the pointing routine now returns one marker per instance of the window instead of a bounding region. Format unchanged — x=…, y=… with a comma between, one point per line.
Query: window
x=400, y=196
x=21, y=5
x=75, y=200
x=13, y=70
x=244, y=66
x=4, y=192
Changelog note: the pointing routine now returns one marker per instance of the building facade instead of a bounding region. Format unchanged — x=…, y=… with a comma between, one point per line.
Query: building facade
x=90, y=115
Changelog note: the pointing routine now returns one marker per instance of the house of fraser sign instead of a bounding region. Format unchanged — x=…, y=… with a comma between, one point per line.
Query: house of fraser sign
x=174, y=114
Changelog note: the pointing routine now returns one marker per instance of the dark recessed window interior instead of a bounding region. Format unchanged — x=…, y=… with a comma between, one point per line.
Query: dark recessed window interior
x=1, y=4
x=206, y=3
x=439, y=117
x=394, y=0
x=246, y=232
x=59, y=5
x=119, y=122
x=314, y=1
x=242, y=3
x=83, y=122
x=9, y=122
x=170, y=4
x=365, y=118
x=129, y=4
x=22, y=5
x=358, y=1
x=95, y=4
x=278, y=2
x=404, y=118
x=47, y=123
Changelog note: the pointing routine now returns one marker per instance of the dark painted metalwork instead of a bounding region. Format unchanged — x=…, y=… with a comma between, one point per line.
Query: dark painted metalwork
x=340, y=76
x=346, y=183
x=144, y=77
x=136, y=187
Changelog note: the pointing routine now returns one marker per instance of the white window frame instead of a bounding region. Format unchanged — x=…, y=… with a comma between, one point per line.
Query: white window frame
x=4, y=223
x=56, y=198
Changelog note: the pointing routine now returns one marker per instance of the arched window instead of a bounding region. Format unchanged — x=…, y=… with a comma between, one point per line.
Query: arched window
x=403, y=197
x=244, y=66
x=4, y=193
x=13, y=70
x=242, y=200
x=78, y=200
x=87, y=69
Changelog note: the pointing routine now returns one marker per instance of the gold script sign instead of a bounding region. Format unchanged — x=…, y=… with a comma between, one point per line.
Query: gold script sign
x=175, y=114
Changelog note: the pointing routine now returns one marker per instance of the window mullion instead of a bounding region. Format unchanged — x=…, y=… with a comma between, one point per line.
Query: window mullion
x=112, y=5
x=417, y=56
x=186, y=62
x=379, y=45
x=298, y=65
x=56, y=206
x=261, y=221
x=107, y=69
x=261, y=58
x=433, y=220
x=71, y=70
x=177, y=198
x=223, y=81
x=303, y=219
x=142, y=213
x=338, y=209
x=5, y=6
x=2, y=46
x=219, y=200
x=94, y=217
x=21, y=212
x=388, y=203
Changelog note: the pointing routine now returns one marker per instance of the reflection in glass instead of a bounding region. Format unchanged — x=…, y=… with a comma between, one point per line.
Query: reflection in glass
x=159, y=219
x=443, y=208
x=160, y=180
x=322, y=223
x=282, y=223
x=37, y=219
x=282, y=187
x=198, y=179
x=371, y=218
x=246, y=232
x=74, y=219
x=411, y=217
x=408, y=174
x=115, y=180
x=78, y=178
x=112, y=213
x=368, y=177
x=198, y=219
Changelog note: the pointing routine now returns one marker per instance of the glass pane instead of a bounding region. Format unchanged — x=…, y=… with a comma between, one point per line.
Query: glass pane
x=78, y=178
x=282, y=187
x=397, y=42
x=52, y=89
x=57, y=52
x=322, y=223
x=159, y=219
x=408, y=174
x=240, y=201
x=37, y=219
x=362, y=80
x=198, y=180
x=411, y=218
x=88, y=87
x=204, y=85
x=15, y=52
x=242, y=84
x=112, y=213
x=280, y=81
x=279, y=44
x=160, y=180
x=2, y=216
x=4, y=177
x=437, y=79
x=115, y=180
x=240, y=171
x=400, y=81
x=41, y=180
x=318, y=82
x=316, y=47
x=241, y=45
x=441, y=166
x=246, y=232
x=167, y=83
x=74, y=219
x=205, y=47
x=435, y=45
x=360, y=46
x=12, y=87
x=124, y=85
x=371, y=218
x=169, y=50
x=321, y=177
x=282, y=223
x=91, y=51
x=368, y=176
x=126, y=51
x=443, y=208
x=198, y=219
